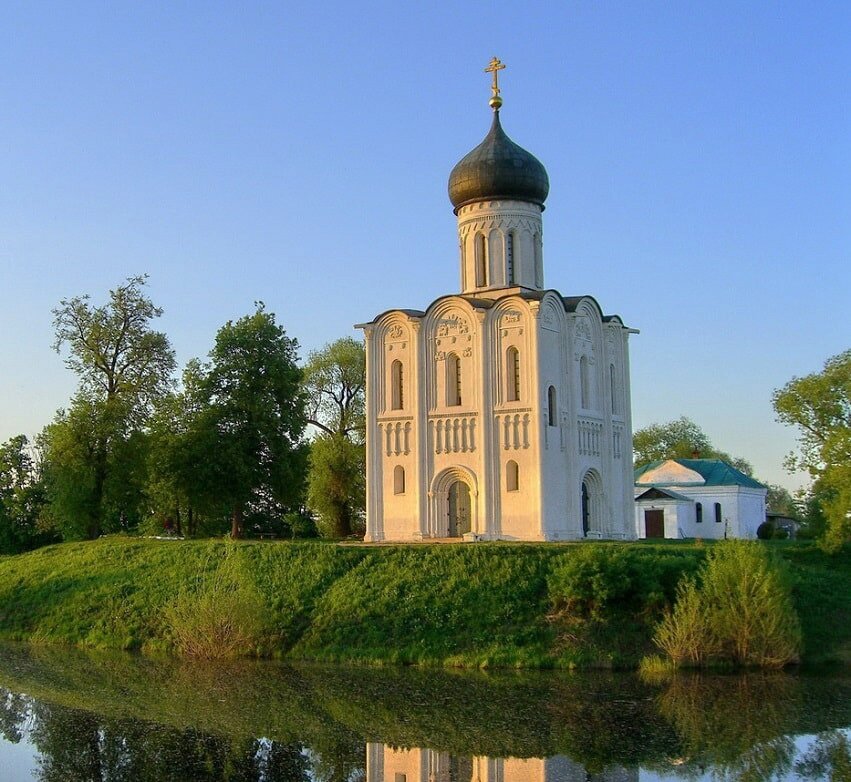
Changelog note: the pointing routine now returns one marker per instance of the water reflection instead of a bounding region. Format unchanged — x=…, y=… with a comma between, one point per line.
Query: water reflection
x=117, y=717
x=390, y=764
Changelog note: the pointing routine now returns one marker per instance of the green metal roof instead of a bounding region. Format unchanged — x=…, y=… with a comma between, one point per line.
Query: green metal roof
x=713, y=471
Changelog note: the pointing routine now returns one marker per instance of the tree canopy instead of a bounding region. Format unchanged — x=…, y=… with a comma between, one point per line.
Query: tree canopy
x=679, y=439
x=819, y=405
x=95, y=449
x=249, y=419
x=335, y=382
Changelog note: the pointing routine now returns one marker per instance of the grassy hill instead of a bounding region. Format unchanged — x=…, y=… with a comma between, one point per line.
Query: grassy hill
x=477, y=605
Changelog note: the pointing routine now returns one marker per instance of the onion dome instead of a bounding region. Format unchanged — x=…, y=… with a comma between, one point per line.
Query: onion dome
x=498, y=169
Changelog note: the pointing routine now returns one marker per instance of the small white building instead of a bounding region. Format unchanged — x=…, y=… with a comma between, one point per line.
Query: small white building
x=697, y=498
x=502, y=411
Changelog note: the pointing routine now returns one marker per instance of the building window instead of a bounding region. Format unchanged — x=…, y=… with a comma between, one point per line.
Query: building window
x=398, y=479
x=512, y=476
x=584, y=383
x=698, y=512
x=718, y=512
x=481, y=260
x=397, y=383
x=509, y=258
x=551, y=406
x=513, y=371
x=453, y=380
x=614, y=388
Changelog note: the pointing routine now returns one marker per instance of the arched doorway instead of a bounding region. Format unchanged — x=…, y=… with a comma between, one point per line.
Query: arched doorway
x=592, y=505
x=458, y=509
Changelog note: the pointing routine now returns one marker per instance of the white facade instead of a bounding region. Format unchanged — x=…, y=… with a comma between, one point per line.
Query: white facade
x=693, y=508
x=502, y=412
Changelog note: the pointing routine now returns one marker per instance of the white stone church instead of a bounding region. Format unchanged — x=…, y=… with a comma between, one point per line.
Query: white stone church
x=503, y=411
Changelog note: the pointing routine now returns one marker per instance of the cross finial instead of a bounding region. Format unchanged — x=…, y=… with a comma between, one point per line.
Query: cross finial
x=496, y=65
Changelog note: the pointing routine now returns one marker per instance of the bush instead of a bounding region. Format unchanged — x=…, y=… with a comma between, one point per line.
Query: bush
x=684, y=633
x=592, y=579
x=741, y=612
x=765, y=531
x=222, y=616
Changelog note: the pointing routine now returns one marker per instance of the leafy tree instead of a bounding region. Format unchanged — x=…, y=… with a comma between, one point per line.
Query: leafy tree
x=248, y=420
x=21, y=498
x=679, y=439
x=334, y=381
x=336, y=484
x=123, y=366
x=94, y=470
x=820, y=406
x=780, y=500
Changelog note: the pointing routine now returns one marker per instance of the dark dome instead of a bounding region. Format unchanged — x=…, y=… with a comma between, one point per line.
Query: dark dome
x=498, y=168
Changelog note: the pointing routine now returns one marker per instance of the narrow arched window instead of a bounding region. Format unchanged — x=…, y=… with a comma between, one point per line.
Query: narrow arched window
x=399, y=479
x=584, y=383
x=397, y=383
x=513, y=373
x=718, y=512
x=512, y=476
x=509, y=258
x=551, y=406
x=698, y=512
x=453, y=380
x=539, y=262
x=481, y=260
x=614, y=388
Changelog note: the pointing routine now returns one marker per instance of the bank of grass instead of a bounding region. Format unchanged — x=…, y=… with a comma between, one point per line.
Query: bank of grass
x=473, y=605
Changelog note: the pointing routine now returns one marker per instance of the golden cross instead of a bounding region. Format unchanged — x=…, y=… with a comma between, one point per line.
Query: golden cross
x=495, y=67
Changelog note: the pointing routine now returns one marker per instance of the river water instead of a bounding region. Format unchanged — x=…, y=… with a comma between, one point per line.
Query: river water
x=68, y=716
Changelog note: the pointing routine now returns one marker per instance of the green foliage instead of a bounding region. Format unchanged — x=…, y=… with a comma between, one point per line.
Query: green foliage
x=596, y=578
x=22, y=498
x=251, y=419
x=741, y=612
x=679, y=439
x=94, y=470
x=684, y=634
x=220, y=613
x=765, y=531
x=819, y=405
x=464, y=605
x=96, y=451
x=335, y=383
x=336, y=485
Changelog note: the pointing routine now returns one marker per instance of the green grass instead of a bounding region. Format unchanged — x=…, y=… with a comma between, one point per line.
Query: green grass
x=471, y=605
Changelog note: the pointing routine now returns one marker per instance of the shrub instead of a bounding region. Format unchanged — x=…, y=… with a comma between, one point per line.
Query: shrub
x=221, y=615
x=684, y=633
x=592, y=579
x=741, y=612
x=765, y=531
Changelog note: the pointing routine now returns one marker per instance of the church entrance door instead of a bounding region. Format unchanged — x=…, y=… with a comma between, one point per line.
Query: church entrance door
x=459, y=509
x=654, y=523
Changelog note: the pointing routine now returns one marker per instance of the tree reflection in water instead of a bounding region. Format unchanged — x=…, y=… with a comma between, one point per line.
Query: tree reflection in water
x=117, y=718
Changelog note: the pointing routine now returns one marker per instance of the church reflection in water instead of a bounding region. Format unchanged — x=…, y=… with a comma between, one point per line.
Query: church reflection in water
x=385, y=763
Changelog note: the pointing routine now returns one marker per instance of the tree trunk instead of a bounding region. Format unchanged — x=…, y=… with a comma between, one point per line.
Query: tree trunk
x=236, y=523
x=190, y=521
x=178, y=528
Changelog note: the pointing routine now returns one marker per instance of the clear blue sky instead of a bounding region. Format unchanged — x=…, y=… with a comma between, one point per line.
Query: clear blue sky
x=699, y=156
